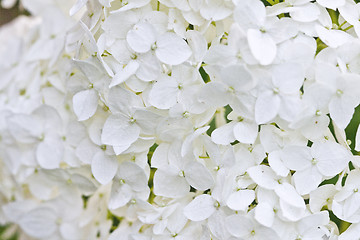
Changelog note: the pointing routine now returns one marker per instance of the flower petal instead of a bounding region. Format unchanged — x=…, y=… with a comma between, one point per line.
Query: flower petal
x=246, y=132
x=50, y=153
x=288, y=194
x=172, y=49
x=266, y=107
x=119, y=130
x=332, y=157
x=200, y=208
x=169, y=185
x=39, y=222
x=103, y=167
x=224, y=135
x=85, y=104
x=141, y=37
x=262, y=46
x=240, y=200
x=198, y=176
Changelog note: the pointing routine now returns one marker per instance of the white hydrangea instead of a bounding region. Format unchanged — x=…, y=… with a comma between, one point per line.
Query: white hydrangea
x=191, y=119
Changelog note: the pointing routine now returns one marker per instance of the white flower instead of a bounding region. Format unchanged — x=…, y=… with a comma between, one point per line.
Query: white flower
x=130, y=180
x=346, y=202
x=175, y=174
x=124, y=125
x=313, y=164
x=245, y=227
x=279, y=93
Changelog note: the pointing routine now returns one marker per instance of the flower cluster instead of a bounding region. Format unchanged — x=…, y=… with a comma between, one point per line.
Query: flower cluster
x=180, y=119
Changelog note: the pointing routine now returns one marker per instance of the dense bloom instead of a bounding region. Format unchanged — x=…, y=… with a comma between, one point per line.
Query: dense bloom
x=191, y=119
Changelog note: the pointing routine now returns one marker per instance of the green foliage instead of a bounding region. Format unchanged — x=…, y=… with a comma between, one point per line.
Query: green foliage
x=4, y=235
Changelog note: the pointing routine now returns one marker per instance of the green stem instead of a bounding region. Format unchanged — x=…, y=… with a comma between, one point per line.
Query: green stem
x=349, y=27
x=342, y=24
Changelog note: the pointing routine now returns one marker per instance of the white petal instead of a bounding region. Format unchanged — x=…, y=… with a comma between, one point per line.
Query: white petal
x=250, y=14
x=24, y=128
x=40, y=186
x=215, y=10
x=77, y=6
x=8, y=3
x=164, y=88
x=119, y=149
x=90, y=69
x=277, y=164
x=240, y=200
x=50, y=153
x=217, y=226
x=305, y=13
x=357, y=140
x=332, y=157
x=159, y=158
x=237, y=77
x=172, y=49
x=267, y=107
x=39, y=223
x=13, y=211
x=149, y=68
x=238, y=225
x=288, y=77
x=147, y=121
x=341, y=111
x=215, y=94
x=307, y=180
x=266, y=233
x=351, y=206
x=168, y=185
x=263, y=176
x=85, y=104
x=349, y=12
x=48, y=118
x=103, y=167
x=117, y=25
x=120, y=195
x=288, y=194
x=123, y=100
x=131, y=5
x=141, y=37
x=197, y=43
x=308, y=223
x=284, y=29
x=118, y=130
x=200, y=208
x=159, y=227
x=246, y=132
x=69, y=230
x=319, y=197
x=290, y=212
x=296, y=157
x=332, y=4
x=198, y=176
x=333, y=38
x=133, y=175
x=264, y=214
x=262, y=46
x=123, y=74
x=290, y=107
x=224, y=135
x=187, y=145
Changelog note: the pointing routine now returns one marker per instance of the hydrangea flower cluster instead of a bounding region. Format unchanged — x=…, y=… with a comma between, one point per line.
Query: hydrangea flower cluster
x=180, y=119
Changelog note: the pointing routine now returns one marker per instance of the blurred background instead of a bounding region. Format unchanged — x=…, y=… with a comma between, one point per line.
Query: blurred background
x=7, y=14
